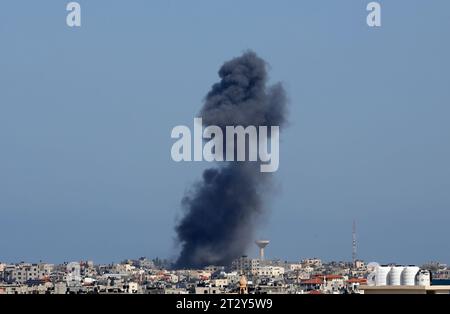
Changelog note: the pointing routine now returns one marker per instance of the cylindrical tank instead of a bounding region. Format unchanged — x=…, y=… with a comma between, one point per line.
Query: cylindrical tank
x=409, y=276
x=371, y=278
x=424, y=278
x=395, y=275
x=381, y=277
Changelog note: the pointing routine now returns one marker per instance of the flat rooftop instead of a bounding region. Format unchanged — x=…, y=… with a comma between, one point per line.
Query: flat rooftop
x=405, y=289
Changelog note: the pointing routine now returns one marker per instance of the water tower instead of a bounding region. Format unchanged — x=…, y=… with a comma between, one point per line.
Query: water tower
x=262, y=244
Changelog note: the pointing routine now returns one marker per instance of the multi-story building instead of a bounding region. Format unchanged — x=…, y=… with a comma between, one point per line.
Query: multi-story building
x=359, y=264
x=219, y=282
x=270, y=271
x=45, y=270
x=208, y=290
x=24, y=272
x=313, y=262
x=213, y=268
x=246, y=265
x=294, y=267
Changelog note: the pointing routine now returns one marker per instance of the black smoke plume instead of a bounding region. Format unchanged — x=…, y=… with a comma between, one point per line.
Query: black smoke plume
x=222, y=210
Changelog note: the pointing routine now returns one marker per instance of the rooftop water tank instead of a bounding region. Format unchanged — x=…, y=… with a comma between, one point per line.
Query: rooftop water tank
x=371, y=268
x=395, y=275
x=371, y=278
x=409, y=276
x=381, y=277
x=424, y=278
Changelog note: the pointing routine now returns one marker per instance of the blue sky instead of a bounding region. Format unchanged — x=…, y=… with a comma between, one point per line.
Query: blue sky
x=86, y=116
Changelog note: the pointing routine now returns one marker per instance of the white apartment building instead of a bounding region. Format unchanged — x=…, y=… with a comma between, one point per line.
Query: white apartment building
x=294, y=267
x=313, y=262
x=219, y=282
x=270, y=271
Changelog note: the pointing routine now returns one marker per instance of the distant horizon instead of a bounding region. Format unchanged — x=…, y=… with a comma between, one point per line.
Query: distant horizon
x=249, y=256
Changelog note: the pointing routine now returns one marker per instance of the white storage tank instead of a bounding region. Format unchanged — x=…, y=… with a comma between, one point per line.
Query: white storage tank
x=424, y=278
x=381, y=277
x=371, y=278
x=395, y=275
x=409, y=276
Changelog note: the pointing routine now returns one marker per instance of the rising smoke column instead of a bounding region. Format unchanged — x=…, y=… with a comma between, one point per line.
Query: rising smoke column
x=222, y=210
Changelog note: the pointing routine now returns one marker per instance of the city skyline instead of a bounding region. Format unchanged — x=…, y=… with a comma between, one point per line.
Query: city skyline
x=243, y=276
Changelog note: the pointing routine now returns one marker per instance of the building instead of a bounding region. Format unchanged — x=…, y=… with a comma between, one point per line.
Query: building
x=270, y=271
x=245, y=265
x=294, y=267
x=311, y=284
x=220, y=282
x=353, y=284
x=359, y=264
x=24, y=272
x=207, y=290
x=213, y=268
x=312, y=262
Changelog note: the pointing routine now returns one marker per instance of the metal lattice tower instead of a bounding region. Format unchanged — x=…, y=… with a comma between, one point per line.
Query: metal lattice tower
x=354, y=242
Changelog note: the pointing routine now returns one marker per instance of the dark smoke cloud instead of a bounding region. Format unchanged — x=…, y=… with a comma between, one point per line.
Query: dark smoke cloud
x=223, y=209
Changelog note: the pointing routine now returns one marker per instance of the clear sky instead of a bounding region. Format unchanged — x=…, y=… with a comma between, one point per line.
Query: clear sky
x=86, y=116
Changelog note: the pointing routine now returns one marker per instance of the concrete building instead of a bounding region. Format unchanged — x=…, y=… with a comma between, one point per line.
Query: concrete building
x=220, y=282
x=245, y=265
x=295, y=267
x=232, y=278
x=60, y=288
x=270, y=271
x=213, y=268
x=24, y=272
x=312, y=262
x=359, y=264
x=207, y=290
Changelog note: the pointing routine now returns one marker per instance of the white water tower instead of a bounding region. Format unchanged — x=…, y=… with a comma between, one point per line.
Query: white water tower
x=262, y=245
